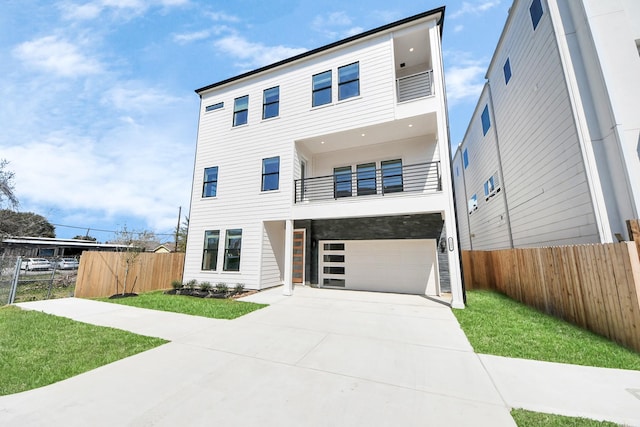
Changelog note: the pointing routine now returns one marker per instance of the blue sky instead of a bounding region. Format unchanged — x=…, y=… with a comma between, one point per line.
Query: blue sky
x=98, y=113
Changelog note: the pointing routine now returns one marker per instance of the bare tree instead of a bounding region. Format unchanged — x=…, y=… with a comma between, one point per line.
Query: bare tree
x=133, y=243
x=182, y=235
x=7, y=195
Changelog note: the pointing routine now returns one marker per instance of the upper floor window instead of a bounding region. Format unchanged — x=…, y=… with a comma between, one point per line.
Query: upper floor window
x=366, y=178
x=270, y=173
x=536, y=12
x=465, y=158
x=473, y=204
x=232, y=246
x=486, y=122
x=210, y=250
x=214, y=107
x=321, y=89
x=271, y=103
x=349, y=81
x=241, y=110
x=210, y=185
x=342, y=181
x=391, y=176
x=507, y=71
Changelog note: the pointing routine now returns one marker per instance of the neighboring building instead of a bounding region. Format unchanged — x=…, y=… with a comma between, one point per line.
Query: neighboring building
x=52, y=247
x=552, y=153
x=330, y=168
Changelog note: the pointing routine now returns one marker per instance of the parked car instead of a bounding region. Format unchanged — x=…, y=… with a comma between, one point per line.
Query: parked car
x=31, y=264
x=67, y=264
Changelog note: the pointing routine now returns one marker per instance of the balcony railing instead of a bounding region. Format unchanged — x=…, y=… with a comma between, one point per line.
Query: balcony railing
x=392, y=178
x=415, y=86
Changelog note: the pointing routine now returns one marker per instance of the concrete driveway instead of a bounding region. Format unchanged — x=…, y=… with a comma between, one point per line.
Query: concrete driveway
x=318, y=358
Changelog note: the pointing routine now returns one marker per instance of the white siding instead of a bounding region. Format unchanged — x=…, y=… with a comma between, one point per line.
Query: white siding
x=272, y=265
x=462, y=215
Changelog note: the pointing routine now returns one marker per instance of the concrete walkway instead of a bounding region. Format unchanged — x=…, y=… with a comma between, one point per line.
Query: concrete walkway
x=318, y=358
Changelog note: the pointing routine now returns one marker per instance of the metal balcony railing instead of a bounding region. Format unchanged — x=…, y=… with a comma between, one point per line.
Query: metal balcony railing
x=415, y=86
x=391, y=178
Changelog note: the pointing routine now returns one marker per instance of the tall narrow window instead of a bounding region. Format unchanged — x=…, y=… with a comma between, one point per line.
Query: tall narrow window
x=270, y=173
x=210, y=185
x=366, y=179
x=349, y=81
x=321, y=89
x=271, y=103
x=536, y=13
x=465, y=158
x=241, y=110
x=473, y=204
x=507, y=71
x=232, y=245
x=210, y=250
x=486, y=122
x=391, y=176
x=342, y=181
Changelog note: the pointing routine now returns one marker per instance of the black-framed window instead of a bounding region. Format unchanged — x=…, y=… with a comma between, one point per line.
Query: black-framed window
x=271, y=103
x=241, y=110
x=465, y=158
x=214, y=107
x=507, y=71
x=366, y=179
x=210, y=249
x=536, y=13
x=486, y=121
x=342, y=181
x=232, y=246
x=321, y=89
x=349, y=81
x=210, y=185
x=270, y=173
x=392, y=176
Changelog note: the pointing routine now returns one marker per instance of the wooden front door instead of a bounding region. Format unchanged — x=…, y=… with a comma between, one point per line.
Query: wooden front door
x=298, y=256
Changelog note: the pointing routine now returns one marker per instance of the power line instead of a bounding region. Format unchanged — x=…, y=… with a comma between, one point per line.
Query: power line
x=106, y=231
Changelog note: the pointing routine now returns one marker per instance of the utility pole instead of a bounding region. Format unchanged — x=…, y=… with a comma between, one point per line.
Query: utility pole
x=175, y=248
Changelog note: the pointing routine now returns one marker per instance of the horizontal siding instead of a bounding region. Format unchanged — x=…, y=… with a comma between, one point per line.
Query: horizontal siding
x=462, y=216
x=272, y=271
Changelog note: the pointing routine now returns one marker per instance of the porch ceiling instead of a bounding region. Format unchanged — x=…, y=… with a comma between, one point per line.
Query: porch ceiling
x=369, y=135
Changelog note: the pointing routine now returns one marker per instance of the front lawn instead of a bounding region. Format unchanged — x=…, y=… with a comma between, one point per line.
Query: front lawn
x=496, y=324
x=205, y=307
x=37, y=349
x=525, y=418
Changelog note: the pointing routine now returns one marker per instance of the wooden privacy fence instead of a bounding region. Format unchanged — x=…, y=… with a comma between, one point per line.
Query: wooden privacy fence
x=101, y=274
x=593, y=286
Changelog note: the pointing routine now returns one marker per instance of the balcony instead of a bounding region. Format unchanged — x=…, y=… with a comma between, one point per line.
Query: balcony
x=415, y=86
x=367, y=181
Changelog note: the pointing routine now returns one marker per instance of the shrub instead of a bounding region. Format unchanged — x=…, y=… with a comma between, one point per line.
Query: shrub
x=205, y=286
x=191, y=284
x=222, y=288
x=239, y=288
x=176, y=284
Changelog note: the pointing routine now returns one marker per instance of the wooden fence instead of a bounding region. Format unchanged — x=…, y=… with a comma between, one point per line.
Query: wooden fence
x=596, y=287
x=101, y=274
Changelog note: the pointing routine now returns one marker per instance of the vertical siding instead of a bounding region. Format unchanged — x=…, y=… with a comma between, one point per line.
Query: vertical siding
x=548, y=193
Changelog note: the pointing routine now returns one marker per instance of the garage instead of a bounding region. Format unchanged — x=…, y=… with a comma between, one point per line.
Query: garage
x=406, y=266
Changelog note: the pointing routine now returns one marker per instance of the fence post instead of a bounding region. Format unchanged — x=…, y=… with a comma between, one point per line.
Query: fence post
x=14, y=281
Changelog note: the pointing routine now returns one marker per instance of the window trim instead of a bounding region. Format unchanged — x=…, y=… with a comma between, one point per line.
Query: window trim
x=314, y=90
x=342, y=172
x=266, y=174
x=399, y=189
x=206, y=250
x=227, y=249
x=205, y=183
x=236, y=111
x=266, y=104
x=360, y=169
x=344, y=83
x=214, y=107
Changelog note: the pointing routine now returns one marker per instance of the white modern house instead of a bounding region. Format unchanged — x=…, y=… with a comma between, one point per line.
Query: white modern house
x=552, y=153
x=330, y=169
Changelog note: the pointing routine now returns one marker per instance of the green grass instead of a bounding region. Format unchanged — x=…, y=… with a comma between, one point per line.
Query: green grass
x=495, y=324
x=525, y=418
x=205, y=307
x=38, y=349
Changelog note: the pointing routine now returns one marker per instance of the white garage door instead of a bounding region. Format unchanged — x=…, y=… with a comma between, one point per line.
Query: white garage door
x=402, y=266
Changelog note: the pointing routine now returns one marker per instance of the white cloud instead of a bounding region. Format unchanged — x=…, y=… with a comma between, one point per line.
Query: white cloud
x=335, y=25
x=458, y=28
x=465, y=78
x=190, y=37
x=221, y=16
x=474, y=8
x=122, y=8
x=136, y=98
x=254, y=54
x=54, y=55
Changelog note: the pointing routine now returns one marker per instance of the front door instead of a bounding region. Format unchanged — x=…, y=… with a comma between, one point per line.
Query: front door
x=298, y=256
